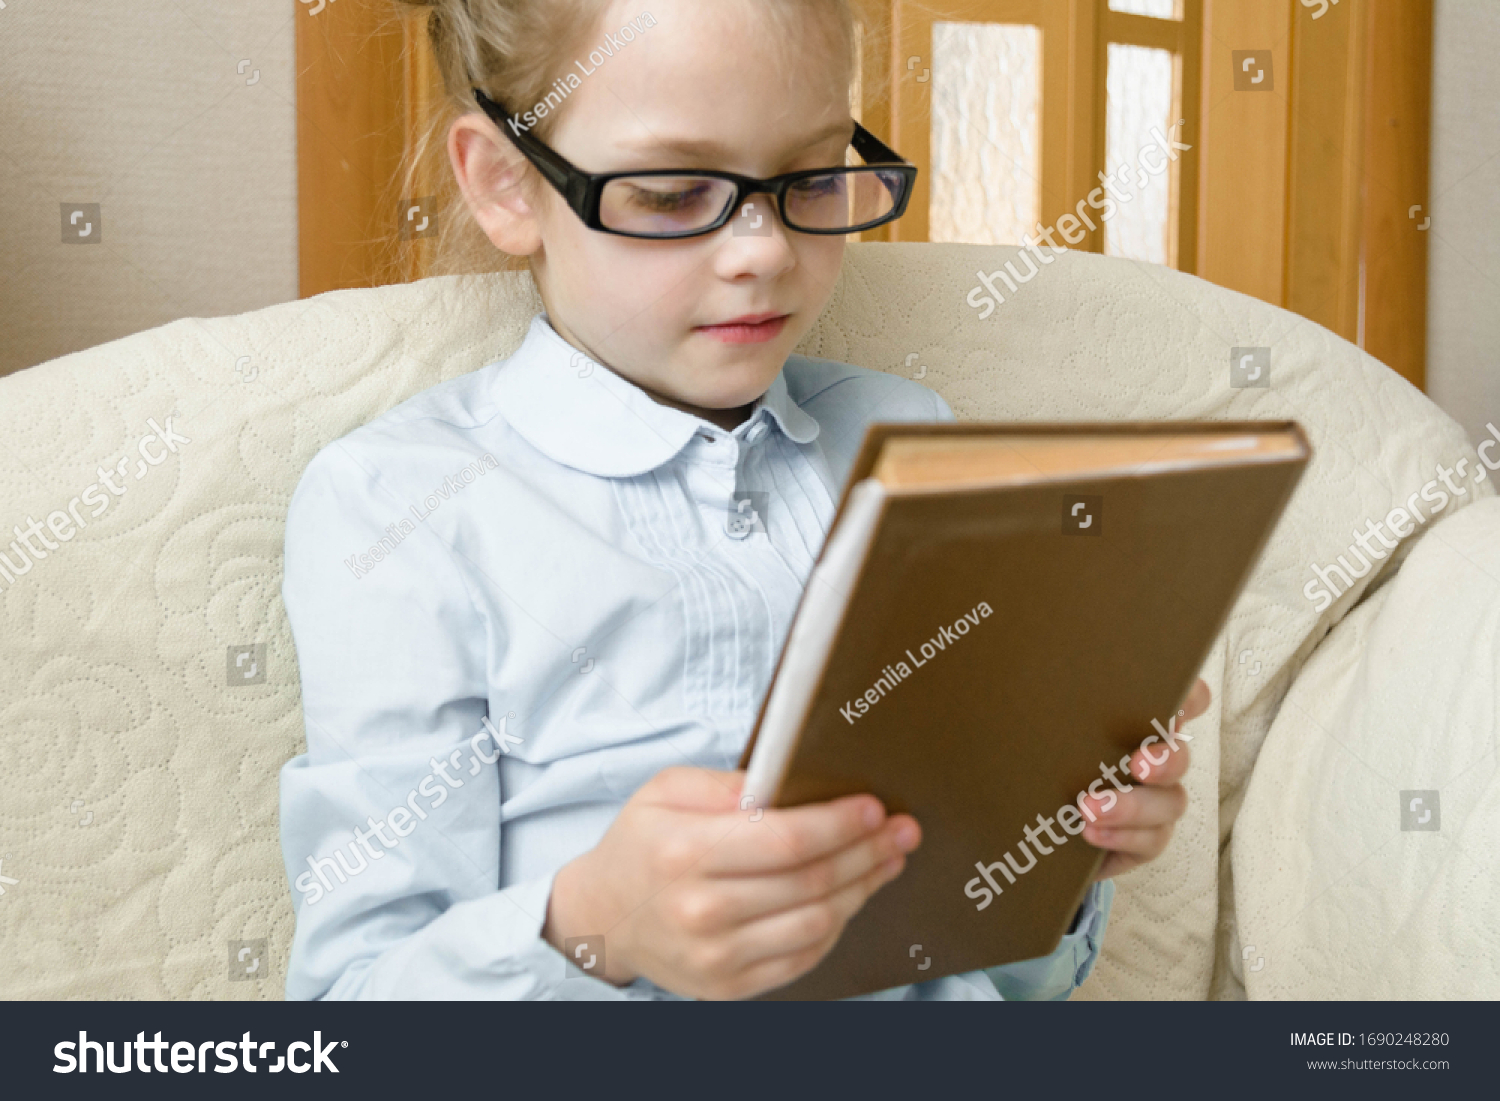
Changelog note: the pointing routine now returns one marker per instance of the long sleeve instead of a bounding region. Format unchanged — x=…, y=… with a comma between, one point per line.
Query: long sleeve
x=391, y=821
x=1054, y=978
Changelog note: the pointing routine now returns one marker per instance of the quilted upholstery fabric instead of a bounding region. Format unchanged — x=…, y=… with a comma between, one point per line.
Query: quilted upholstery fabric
x=138, y=797
x=1397, y=703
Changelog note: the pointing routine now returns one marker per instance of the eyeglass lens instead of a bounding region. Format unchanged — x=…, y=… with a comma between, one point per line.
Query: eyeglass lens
x=673, y=205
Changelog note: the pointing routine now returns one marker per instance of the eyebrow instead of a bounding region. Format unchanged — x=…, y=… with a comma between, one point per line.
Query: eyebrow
x=694, y=147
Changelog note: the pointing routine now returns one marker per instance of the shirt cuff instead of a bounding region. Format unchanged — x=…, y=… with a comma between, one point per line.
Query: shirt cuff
x=487, y=948
x=1054, y=978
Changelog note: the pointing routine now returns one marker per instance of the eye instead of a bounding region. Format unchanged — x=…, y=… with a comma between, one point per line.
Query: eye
x=819, y=187
x=669, y=197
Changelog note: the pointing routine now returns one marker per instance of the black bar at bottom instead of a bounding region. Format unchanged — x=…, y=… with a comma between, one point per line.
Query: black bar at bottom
x=769, y=1051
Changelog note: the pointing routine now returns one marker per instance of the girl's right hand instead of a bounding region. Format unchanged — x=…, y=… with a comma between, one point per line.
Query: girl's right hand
x=688, y=891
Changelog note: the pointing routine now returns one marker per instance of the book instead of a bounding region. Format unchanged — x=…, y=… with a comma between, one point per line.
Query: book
x=999, y=615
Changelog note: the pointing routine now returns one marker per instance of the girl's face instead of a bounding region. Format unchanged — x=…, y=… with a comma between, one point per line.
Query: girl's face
x=707, y=87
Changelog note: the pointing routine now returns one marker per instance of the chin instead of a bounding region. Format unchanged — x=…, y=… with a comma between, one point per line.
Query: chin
x=738, y=387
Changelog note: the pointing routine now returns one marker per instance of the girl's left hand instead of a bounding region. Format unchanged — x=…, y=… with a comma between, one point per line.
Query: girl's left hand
x=1138, y=826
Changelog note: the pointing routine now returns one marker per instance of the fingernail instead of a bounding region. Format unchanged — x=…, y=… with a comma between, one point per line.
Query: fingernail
x=906, y=836
x=890, y=867
x=874, y=815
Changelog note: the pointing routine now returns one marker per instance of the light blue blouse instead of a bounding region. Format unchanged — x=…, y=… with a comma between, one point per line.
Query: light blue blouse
x=515, y=598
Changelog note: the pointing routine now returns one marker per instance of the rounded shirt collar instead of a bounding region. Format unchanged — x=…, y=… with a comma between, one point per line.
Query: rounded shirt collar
x=579, y=413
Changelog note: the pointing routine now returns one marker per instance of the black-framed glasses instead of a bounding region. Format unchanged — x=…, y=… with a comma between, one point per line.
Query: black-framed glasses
x=669, y=203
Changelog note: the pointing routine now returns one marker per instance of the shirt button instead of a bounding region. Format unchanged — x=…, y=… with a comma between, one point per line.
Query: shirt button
x=756, y=434
x=746, y=515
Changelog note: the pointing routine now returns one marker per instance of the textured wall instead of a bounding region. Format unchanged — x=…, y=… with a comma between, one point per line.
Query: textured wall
x=1463, y=245
x=138, y=106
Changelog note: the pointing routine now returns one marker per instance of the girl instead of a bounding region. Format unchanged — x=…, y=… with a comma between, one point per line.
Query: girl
x=524, y=709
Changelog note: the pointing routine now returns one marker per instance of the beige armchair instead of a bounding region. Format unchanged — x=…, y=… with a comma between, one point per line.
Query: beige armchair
x=149, y=694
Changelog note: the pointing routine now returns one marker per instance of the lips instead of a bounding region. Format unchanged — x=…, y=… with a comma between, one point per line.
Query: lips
x=748, y=329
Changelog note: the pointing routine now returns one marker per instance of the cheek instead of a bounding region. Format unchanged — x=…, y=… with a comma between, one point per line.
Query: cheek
x=820, y=259
x=615, y=280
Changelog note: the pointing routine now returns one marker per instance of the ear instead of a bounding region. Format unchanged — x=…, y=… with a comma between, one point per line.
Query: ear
x=491, y=174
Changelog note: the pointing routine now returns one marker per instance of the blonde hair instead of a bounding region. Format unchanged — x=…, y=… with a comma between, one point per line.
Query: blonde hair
x=514, y=50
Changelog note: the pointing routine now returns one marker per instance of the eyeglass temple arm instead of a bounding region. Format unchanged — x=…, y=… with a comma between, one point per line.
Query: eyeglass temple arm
x=872, y=150
x=559, y=171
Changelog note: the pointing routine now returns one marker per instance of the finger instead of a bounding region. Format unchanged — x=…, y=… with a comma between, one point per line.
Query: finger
x=1197, y=701
x=781, y=840
x=1143, y=844
x=1140, y=807
x=1159, y=763
x=796, y=930
x=738, y=900
x=777, y=971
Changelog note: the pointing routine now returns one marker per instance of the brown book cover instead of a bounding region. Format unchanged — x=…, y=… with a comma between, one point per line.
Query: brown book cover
x=1014, y=626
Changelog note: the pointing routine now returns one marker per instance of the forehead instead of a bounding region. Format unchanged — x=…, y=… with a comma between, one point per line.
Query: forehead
x=759, y=76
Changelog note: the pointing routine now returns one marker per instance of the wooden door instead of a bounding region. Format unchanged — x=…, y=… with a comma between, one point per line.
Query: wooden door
x=365, y=80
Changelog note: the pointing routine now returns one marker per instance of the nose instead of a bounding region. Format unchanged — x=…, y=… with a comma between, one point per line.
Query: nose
x=759, y=243
x=756, y=213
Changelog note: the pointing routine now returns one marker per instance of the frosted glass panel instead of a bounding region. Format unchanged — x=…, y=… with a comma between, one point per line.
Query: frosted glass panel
x=1160, y=9
x=1139, y=88
x=986, y=134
